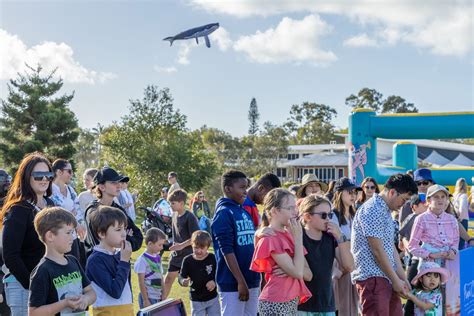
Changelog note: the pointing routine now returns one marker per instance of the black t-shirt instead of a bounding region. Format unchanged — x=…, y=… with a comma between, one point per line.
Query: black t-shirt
x=183, y=227
x=200, y=272
x=320, y=257
x=52, y=282
x=407, y=225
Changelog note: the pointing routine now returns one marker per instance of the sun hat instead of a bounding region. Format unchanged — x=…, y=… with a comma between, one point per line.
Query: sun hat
x=431, y=266
x=308, y=179
x=432, y=190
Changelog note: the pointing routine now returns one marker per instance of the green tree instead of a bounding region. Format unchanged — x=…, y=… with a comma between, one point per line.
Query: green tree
x=152, y=140
x=34, y=119
x=372, y=99
x=254, y=116
x=310, y=123
x=87, y=150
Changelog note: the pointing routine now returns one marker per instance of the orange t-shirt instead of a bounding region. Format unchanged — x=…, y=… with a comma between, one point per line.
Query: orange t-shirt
x=277, y=288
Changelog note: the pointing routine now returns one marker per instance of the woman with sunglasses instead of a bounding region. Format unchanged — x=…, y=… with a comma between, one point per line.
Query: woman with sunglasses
x=369, y=187
x=347, y=299
x=63, y=195
x=22, y=249
x=325, y=242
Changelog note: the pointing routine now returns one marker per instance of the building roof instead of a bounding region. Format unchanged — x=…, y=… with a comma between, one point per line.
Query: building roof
x=436, y=159
x=323, y=159
x=316, y=147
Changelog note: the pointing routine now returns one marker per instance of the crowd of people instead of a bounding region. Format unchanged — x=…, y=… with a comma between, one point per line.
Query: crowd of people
x=317, y=249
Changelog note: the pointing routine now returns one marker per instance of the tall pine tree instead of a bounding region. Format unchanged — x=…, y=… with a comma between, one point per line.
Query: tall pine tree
x=33, y=119
x=253, y=117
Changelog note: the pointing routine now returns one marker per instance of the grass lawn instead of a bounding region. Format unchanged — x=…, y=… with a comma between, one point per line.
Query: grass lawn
x=177, y=291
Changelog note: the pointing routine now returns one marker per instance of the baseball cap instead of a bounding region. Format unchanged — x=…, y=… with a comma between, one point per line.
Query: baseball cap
x=432, y=190
x=109, y=174
x=345, y=183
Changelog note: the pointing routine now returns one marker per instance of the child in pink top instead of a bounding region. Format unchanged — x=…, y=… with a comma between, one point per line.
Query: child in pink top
x=282, y=250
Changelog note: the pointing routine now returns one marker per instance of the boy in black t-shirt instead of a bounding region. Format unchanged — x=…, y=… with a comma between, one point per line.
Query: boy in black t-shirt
x=199, y=271
x=184, y=224
x=58, y=283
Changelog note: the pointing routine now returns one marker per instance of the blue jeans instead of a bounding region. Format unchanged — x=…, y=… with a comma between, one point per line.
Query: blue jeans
x=142, y=304
x=17, y=298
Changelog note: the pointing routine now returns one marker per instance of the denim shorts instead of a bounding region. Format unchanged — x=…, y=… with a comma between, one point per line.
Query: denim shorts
x=17, y=298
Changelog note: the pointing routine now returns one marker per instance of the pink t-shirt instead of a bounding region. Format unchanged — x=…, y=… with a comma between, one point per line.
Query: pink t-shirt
x=278, y=289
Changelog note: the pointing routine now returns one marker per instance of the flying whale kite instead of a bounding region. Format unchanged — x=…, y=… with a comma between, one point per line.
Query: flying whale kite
x=201, y=31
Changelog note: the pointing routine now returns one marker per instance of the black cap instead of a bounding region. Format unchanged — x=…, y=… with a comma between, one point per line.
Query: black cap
x=109, y=174
x=345, y=184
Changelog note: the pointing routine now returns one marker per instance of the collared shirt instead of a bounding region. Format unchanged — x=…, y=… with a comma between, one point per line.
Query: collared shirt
x=373, y=219
x=439, y=231
x=70, y=202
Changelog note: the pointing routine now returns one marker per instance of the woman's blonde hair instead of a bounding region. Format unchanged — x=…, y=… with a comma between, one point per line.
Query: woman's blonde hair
x=461, y=186
x=273, y=199
x=310, y=202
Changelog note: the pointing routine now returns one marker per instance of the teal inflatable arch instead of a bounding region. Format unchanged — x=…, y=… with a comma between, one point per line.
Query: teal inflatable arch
x=365, y=127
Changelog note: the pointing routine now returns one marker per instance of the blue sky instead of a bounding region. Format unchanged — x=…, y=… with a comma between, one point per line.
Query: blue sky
x=280, y=52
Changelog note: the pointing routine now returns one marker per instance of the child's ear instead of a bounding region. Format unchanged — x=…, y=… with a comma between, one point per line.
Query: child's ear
x=49, y=236
x=101, y=235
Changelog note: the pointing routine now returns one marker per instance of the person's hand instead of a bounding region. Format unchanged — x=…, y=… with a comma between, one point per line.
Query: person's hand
x=438, y=255
x=73, y=302
x=451, y=255
x=81, y=231
x=296, y=229
x=264, y=232
x=126, y=251
x=279, y=272
x=1, y=298
x=83, y=303
x=146, y=303
x=334, y=230
x=243, y=292
x=176, y=247
x=401, y=288
x=210, y=286
x=185, y=282
x=401, y=246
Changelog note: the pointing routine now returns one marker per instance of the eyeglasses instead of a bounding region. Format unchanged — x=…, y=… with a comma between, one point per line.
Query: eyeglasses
x=369, y=187
x=201, y=196
x=68, y=170
x=289, y=208
x=425, y=182
x=40, y=175
x=323, y=215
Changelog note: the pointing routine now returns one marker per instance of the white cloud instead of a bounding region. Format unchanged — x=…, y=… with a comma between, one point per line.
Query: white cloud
x=442, y=27
x=168, y=70
x=221, y=38
x=183, y=52
x=361, y=40
x=50, y=55
x=294, y=41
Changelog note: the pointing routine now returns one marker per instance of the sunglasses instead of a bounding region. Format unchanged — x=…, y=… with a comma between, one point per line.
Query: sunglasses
x=324, y=215
x=40, y=175
x=68, y=170
x=422, y=182
x=369, y=187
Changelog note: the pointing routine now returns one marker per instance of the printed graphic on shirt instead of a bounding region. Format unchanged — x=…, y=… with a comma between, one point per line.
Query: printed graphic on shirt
x=245, y=230
x=68, y=286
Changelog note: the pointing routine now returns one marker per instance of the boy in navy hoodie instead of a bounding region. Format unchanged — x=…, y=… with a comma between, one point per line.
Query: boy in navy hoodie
x=233, y=237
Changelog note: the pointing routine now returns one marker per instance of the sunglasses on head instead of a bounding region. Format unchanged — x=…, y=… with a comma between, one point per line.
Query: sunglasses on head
x=40, y=175
x=424, y=182
x=370, y=187
x=324, y=215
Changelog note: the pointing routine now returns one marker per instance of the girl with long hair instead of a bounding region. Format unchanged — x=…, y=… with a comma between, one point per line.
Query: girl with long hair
x=22, y=248
x=284, y=250
x=461, y=205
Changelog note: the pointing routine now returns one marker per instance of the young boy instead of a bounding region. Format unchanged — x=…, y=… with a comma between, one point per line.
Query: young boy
x=233, y=235
x=149, y=268
x=58, y=283
x=199, y=271
x=184, y=224
x=107, y=268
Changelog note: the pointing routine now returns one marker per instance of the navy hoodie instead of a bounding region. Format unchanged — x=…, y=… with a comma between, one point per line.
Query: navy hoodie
x=233, y=232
